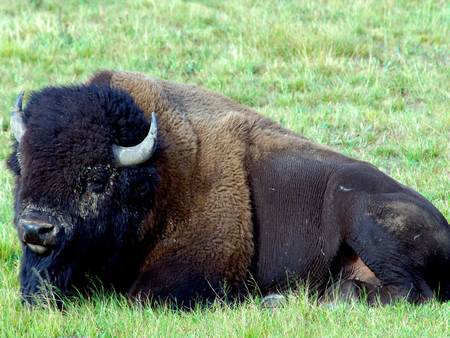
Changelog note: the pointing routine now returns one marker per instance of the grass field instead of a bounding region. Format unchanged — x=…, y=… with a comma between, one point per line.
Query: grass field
x=371, y=79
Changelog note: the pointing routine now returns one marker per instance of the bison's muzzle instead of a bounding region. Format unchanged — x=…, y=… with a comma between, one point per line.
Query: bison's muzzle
x=38, y=233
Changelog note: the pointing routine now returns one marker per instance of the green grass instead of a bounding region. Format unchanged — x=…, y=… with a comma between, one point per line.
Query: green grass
x=371, y=79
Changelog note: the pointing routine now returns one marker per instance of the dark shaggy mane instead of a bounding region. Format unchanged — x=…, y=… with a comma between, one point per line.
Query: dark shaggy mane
x=79, y=106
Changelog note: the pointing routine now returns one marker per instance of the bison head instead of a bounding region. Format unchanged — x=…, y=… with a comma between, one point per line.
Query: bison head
x=85, y=180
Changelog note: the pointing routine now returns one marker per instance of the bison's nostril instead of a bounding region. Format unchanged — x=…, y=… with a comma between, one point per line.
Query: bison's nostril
x=45, y=229
x=37, y=233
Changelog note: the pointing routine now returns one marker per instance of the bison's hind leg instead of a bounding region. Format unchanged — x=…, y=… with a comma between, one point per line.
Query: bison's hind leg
x=397, y=233
x=401, y=241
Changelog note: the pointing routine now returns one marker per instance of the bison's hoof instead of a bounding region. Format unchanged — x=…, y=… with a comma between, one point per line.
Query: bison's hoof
x=273, y=301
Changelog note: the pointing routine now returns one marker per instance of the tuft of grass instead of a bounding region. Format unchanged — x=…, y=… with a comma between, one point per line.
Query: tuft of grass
x=371, y=79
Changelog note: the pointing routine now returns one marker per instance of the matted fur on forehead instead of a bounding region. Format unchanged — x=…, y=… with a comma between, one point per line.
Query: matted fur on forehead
x=94, y=109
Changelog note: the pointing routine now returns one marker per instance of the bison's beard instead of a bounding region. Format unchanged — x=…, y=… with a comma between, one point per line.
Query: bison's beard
x=47, y=279
x=78, y=266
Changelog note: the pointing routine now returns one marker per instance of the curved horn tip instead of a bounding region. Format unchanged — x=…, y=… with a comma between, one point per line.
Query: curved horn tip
x=16, y=124
x=19, y=100
x=154, y=123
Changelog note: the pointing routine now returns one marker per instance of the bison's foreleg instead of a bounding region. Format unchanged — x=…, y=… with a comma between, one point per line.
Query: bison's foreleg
x=176, y=282
x=179, y=276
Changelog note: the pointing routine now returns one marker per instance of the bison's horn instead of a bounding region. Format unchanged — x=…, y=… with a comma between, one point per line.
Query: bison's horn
x=17, y=126
x=126, y=156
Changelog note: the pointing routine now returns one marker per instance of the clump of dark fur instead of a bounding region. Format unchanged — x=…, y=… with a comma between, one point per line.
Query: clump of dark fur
x=65, y=155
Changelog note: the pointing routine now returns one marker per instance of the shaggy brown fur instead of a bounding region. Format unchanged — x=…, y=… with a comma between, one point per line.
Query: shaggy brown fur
x=208, y=219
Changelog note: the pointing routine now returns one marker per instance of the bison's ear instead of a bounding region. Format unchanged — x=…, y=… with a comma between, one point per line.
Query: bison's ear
x=101, y=78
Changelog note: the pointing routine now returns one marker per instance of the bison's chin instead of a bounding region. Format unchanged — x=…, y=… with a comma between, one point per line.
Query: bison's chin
x=74, y=269
x=44, y=280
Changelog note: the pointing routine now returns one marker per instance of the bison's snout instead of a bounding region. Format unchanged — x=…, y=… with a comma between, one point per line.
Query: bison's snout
x=38, y=235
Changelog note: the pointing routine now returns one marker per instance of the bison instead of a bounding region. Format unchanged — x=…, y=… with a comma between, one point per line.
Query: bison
x=163, y=191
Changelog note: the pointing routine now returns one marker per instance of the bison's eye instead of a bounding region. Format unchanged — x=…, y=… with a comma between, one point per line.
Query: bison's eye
x=95, y=186
x=97, y=180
